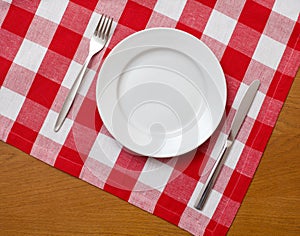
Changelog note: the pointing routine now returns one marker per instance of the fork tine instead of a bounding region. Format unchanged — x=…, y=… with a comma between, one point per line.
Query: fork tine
x=106, y=33
x=99, y=25
x=103, y=31
x=103, y=26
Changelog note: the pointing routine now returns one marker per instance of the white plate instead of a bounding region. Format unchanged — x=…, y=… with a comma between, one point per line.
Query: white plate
x=161, y=92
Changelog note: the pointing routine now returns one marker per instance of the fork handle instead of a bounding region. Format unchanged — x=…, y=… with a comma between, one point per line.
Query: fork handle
x=71, y=96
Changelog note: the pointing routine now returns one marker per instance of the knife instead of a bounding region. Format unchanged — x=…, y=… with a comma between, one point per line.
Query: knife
x=235, y=127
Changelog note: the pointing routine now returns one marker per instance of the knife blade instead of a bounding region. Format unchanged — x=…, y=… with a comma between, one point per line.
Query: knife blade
x=238, y=120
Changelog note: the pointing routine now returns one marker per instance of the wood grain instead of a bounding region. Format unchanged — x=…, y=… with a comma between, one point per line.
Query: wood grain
x=38, y=200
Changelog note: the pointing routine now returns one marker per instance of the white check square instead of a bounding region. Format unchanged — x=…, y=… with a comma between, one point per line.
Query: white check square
x=193, y=200
x=256, y=104
x=234, y=155
x=52, y=10
x=172, y=9
x=288, y=8
x=220, y=27
x=47, y=129
x=105, y=150
x=211, y=202
x=160, y=179
x=269, y=52
x=72, y=73
x=10, y=103
x=238, y=98
x=218, y=146
x=86, y=83
x=30, y=55
x=89, y=31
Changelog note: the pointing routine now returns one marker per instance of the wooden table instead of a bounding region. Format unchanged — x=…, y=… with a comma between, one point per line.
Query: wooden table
x=36, y=199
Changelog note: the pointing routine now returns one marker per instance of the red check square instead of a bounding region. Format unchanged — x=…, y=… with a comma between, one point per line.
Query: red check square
x=91, y=4
x=236, y=70
x=17, y=20
x=237, y=186
x=65, y=42
x=254, y=15
x=259, y=136
x=189, y=30
x=43, y=91
x=294, y=41
x=5, y=64
x=215, y=228
x=198, y=163
x=21, y=137
x=119, y=192
x=209, y=3
x=69, y=161
x=135, y=16
x=280, y=86
x=167, y=206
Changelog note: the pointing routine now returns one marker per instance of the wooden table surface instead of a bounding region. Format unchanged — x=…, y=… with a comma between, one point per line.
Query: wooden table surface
x=36, y=199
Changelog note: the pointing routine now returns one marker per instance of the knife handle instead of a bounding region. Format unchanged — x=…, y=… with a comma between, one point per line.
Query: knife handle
x=207, y=187
x=71, y=96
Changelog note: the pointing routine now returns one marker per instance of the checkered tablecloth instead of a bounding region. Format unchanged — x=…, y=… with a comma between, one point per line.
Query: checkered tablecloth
x=43, y=45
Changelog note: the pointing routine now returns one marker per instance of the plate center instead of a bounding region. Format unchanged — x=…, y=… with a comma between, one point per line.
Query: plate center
x=155, y=90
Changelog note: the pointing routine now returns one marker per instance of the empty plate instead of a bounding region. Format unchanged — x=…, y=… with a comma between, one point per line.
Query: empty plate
x=161, y=92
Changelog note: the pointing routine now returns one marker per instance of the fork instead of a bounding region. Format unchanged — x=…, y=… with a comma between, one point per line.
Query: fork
x=97, y=43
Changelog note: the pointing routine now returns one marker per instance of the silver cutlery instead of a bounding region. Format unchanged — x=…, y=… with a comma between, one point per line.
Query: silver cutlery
x=97, y=43
x=235, y=127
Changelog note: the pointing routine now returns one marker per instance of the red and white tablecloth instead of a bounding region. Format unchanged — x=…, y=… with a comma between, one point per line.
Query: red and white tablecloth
x=43, y=45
